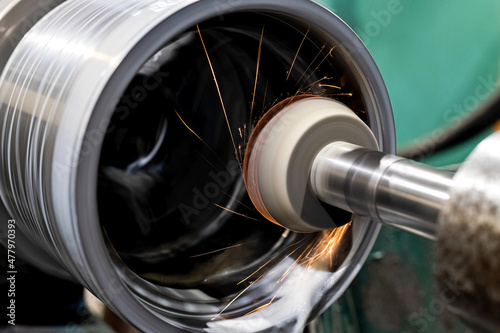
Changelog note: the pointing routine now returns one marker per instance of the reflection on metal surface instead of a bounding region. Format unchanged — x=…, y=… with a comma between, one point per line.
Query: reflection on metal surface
x=393, y=190
x=17, y=17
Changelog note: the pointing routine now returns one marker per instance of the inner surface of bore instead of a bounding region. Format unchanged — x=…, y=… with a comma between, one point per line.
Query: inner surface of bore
x=171, y=195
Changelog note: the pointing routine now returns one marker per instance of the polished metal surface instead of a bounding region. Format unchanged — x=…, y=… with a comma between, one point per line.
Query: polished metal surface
x=398, y=192
x=59, y=91
x=17, y=17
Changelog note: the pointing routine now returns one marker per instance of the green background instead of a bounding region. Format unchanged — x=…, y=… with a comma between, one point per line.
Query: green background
x=439, y=60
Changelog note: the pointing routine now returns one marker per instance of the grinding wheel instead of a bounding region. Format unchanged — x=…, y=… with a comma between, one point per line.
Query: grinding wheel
x=279, y=159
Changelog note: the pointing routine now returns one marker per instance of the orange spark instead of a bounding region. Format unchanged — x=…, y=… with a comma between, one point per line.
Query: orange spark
x=232, y=301
x=220, y=96
x=297, y=54
x=342, y=94
x=199, y=138
x=302, y=88
x=265, y=95
x=256, y=73
x=189, y=128
x=219, y=250
x=321, y=62
x=312, y=62
x=291, y=266
x=267, y=304
x=323, y=248
x=326, y=246
x=238, y=201
x=329, y=86
x=248, y=277
x=232, y=211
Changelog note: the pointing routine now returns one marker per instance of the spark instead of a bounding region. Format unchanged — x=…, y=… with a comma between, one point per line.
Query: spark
x=245, y=135
x=191, y=130
x=317, y=67
x=210, y=163
x=311, y=249
x=257, y=73
x=290, y=268
x=323, y=247
x=312, y=62
x=252, y=283
x=220, y=96
x=297, y=54
x=326, y=246
x=240, y=149
x=232, y=211
x=268, y=303
x=262, y=307
x=281, y=279
x=232, y=301
x=199, y=138
x=342, y=94
x=255, y=272
x=275, y=256
x=329, y=86
x=241, y=203
x=306, y=88
x=220, y=250
x=238, y=296
x=265, y=96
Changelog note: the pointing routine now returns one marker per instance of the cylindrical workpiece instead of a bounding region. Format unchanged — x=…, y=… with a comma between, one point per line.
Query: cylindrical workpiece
x=398, y=192
x=130, y=118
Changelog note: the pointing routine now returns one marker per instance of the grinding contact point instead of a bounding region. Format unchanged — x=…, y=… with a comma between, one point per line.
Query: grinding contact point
x=280, y=155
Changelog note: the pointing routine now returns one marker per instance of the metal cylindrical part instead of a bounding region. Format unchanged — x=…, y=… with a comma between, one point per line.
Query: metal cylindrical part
x=396, y=191
x=89, y=94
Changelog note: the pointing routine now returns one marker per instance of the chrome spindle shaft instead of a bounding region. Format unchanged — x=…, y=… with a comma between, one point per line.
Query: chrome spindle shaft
x=396, y=191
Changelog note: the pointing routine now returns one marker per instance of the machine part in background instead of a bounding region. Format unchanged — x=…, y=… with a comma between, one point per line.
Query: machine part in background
x=395, y=191
x=478, y=121
x=124, y=125
x=468, y=243
x=431, y=92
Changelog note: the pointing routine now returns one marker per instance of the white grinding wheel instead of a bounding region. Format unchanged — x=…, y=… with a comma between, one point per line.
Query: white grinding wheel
x=281, y=152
